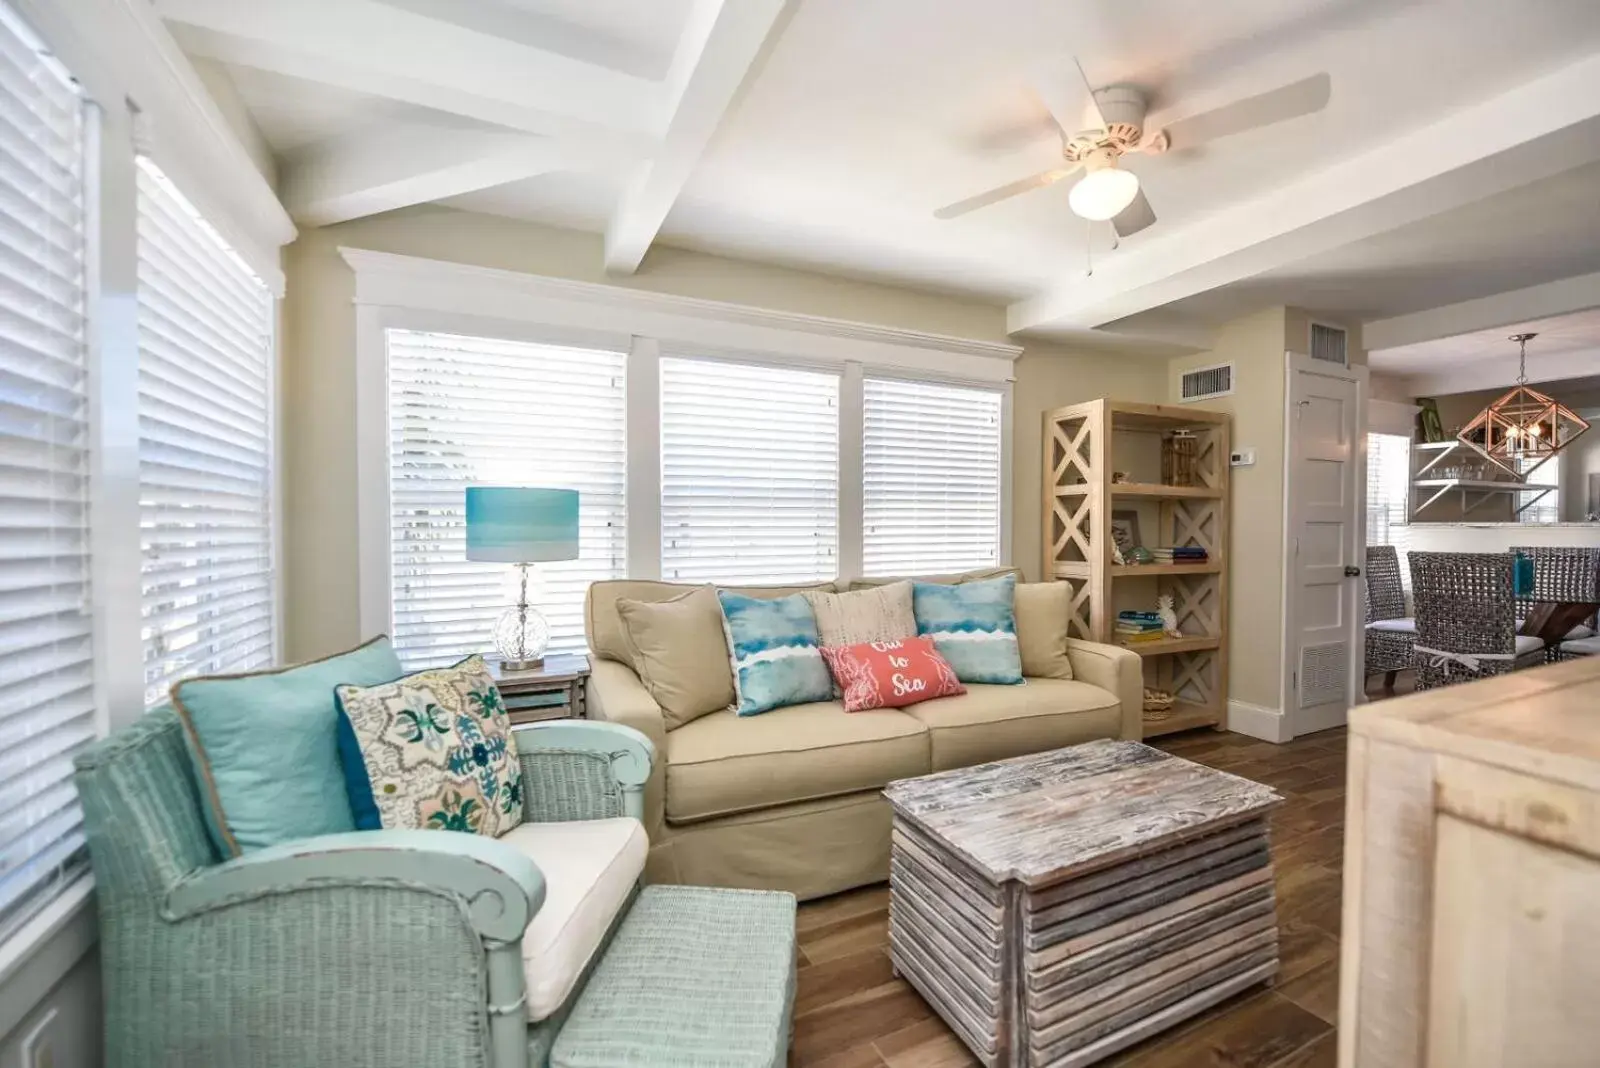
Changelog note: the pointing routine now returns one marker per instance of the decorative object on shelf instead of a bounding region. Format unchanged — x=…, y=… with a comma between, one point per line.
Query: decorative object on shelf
x=1429, y=426
x=521, y=525
x=1116, y=556
x=1523, y=428
x=1177, y=458
x=1119, y=477
x=1169, y=618
x=1157, y=703
x=1140, y=555
x=1125, y=530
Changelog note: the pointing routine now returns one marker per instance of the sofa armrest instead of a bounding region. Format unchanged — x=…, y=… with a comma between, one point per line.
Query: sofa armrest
x=615, y=695
x=574, y=769
x=501, y=888
x=1113, y=668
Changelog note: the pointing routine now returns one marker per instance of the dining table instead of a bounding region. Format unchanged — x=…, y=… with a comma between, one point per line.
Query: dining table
x=1554, y=620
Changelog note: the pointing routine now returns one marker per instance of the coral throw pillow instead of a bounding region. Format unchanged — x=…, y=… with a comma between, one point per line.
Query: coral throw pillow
x=890, y=674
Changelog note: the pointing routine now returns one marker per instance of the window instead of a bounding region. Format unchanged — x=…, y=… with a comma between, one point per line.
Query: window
x=205, y=446
x=1537, y=508
x=1388, y=488
x=47, y=695
x=931, y=477
x=749, y=473
x=478, y=411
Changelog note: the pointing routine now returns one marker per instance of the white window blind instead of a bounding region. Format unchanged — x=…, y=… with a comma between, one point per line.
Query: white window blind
x=1388, y=488
x=478, y=411
x=205, y=446
x=749, y=473
x=47, y=699
x=931, y=481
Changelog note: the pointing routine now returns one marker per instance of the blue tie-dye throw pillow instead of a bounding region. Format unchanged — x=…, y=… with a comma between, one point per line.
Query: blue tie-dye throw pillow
x=974, y=627
x=773, y=645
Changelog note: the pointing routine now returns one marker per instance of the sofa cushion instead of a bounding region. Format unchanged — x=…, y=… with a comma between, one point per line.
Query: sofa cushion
x=973, y=625
x=890, y=674
x=995, y=722
x=1042, y=610
x=722, y=763
x=590, y=868
x=773, y=642
x=680, y=653
x=603, y=626
x=878, y=614
x=976, y=575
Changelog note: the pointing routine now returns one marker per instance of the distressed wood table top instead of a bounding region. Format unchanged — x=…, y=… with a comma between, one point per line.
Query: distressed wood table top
x=1042, y=818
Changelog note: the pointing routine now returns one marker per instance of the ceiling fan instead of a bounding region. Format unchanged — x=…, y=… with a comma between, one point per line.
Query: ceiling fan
x=1113, y=126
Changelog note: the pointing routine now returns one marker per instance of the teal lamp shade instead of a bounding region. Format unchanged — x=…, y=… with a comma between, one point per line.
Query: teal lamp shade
x=521, y=525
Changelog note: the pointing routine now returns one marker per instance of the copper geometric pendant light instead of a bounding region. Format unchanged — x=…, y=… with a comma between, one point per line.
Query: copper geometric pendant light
x=1524, y=425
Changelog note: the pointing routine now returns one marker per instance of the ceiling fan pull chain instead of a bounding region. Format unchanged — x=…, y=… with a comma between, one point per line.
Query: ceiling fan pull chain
x=1116, y=242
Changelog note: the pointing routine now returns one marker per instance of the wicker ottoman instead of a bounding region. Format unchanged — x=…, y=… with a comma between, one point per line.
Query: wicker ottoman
x=695, y=976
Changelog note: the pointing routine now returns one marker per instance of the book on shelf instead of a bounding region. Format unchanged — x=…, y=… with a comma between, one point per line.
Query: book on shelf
x=1144, y=636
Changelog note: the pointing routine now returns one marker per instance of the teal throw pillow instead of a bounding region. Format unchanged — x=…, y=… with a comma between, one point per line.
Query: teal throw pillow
x=974, y=627
x=431, y=751
x=265, y=747
x=773, y=645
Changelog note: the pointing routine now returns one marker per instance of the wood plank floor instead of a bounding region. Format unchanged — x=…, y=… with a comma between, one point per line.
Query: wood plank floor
x=852, y=1013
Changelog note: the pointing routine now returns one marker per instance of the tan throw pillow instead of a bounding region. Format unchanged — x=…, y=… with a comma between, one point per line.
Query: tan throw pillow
x=879, y=614
x=1042, y=609
x=680, y=653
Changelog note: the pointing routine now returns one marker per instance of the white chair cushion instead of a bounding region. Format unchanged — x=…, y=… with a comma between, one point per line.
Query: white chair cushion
x=589, y=867
x=1406, y=625
x=1582, y=646
x=1527, y=643
x=1577, y=632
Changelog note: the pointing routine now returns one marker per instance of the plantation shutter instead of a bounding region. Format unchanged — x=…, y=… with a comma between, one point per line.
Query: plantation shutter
x=469, y=411
x=205, y=447
x=47, y=697
x=931, y=479
x=749, y=473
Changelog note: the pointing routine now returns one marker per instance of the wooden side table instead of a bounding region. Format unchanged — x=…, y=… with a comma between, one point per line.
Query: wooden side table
x=552, y=691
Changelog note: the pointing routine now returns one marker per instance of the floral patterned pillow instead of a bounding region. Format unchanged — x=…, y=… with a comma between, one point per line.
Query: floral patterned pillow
x=432, y=750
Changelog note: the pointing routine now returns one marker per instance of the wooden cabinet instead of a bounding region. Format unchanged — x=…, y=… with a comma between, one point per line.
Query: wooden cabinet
x=1471, y=927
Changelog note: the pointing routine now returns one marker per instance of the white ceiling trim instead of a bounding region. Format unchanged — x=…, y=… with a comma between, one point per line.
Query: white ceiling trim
x=372, y=47
x=1533, y=131
x=389, y=280
x=1501, y=309
x=1500, y=373
x=716, y=53
x=414, y=165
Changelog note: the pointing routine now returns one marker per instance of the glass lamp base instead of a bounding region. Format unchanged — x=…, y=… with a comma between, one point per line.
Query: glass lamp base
x=521, y=636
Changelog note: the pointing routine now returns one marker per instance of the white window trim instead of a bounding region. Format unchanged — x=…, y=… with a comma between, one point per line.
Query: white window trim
x=414, y=293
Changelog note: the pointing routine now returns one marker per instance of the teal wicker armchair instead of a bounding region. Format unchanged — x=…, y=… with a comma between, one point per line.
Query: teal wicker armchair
x=380, y=948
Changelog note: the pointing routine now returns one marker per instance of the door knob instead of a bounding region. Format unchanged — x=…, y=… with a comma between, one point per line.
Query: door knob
x=1352, y=571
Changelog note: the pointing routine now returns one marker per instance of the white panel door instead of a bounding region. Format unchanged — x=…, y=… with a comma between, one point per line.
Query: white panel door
x=1322, y=496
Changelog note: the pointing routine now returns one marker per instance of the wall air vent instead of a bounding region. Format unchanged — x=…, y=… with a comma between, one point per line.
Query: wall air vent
x=1329, y=343
x=1203, y=383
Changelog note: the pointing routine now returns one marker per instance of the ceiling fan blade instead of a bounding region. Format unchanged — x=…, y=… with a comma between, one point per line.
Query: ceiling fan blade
x=1017, y=135
x=1004, y=192
x=1070, y=100
x=1290, y=101
x=1135, y=217
x=1093, y=119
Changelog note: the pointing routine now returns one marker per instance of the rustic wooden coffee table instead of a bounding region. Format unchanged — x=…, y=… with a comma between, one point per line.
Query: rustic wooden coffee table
x=1059, y=907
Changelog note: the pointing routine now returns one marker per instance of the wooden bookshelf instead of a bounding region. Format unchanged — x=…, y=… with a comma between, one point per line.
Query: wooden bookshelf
x=1084, y=445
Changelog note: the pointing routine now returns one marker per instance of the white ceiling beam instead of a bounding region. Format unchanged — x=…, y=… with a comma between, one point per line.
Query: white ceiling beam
x=719, y=47
x=1496, y=373
x=370, y=47
x=397, y=168
x=1540, y=128
x=1545, y=301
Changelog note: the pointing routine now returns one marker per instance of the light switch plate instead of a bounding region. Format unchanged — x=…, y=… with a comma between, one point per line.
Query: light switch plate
x=1242, y=458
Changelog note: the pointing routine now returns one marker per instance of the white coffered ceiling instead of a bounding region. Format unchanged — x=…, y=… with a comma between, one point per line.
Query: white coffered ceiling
x=1459, y=154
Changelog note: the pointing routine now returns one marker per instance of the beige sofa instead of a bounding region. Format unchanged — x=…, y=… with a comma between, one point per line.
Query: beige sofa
x=790, y=799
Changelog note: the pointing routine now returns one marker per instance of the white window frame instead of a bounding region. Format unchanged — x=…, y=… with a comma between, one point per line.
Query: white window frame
x=125, y=61
x=413, y=293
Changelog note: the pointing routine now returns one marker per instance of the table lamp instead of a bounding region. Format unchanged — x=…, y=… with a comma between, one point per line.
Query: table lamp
x=523, y=526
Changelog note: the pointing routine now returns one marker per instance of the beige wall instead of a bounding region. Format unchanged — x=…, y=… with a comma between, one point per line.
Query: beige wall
x=319, y=387
x=1255, y=344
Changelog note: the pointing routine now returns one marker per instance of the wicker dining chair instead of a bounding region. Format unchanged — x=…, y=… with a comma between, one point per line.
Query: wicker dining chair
x=1466, y=617
x=1562, y=573
x=1391, y=632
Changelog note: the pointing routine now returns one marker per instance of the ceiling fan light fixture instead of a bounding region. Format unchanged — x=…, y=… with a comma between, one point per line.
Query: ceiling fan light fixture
x=1102, y=194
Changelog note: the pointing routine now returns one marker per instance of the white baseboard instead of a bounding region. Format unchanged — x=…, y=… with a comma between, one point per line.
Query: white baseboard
x=1258, y=721
x=1326, y=717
